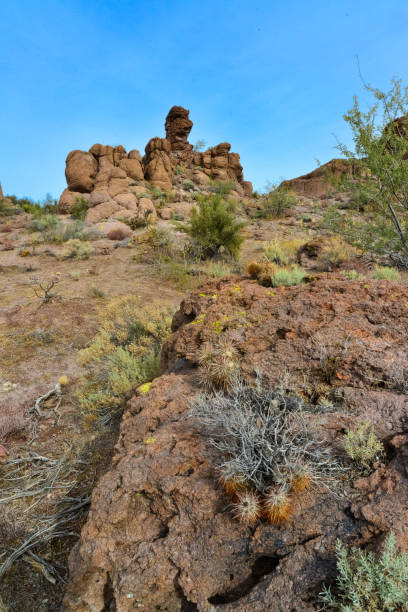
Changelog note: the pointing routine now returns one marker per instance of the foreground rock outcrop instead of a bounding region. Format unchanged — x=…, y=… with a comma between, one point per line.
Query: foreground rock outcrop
x=104, y=173
x=160, y=534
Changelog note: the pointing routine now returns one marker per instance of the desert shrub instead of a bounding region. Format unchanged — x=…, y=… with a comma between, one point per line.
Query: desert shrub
x=97, y=292
x=367, y=584
x=124, y=354
x=54, y=230
x=159, y=238
x=212, y=227
x=380, y=163
x=352, y=275
x=276, y=204
x=362, y=445
x=44, y=223
x=282, y=252
x=79, y=208
x=7, y=209
x=221, y=188
x=262, y=443
x=179, y=169
x=117, y=233
x=293, y=275
x=385, y=273
x=188, y=186
x=77, y=249
x=335, y=252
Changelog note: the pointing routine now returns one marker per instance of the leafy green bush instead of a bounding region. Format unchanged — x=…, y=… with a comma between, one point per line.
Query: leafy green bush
x=365, y=584
x=212, y=227
x=277, y=202
x=124, y=354
x=383, y=272
x=79, y=209
x=380, y=162
x=287, y=276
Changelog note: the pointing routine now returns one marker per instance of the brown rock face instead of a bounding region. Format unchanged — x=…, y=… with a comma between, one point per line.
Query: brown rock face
x=157, y=164
x=160, y=534
x=106, y=169
x=178, y=127
x=1, y=192
x=80, y=171
x=317, y=183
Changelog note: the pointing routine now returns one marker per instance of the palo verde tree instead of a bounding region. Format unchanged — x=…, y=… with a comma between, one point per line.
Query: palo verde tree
x=380, y=167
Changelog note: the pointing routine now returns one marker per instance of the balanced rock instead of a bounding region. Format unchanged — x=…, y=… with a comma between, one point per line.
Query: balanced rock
x=105, y=172
x=178, y=126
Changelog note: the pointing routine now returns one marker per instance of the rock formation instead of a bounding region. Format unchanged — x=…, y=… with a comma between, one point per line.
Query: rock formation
x=1, y=192
x=104, y=174
x=160, y=534
x=316, y=184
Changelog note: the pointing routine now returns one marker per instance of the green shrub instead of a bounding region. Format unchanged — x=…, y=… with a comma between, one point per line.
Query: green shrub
x=221, y=188
x=352, y=275
x=188, y=185
x=380, y=165
x=276, y=204
x=367, y=584
x=212, y=227
x=77, y=249
x=385, y=273
x=362, y=445
x=7, y=209
x=287, y=276
x=54, y=230
x=79, y=209
x=179, y=169
x=124, y=354
x=282, y=252
x=44, y=223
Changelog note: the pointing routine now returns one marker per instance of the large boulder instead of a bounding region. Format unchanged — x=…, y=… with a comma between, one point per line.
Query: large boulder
x=157, y=164
x=133, y=168
x=160, y=534
x=68, y=199
x=102, y=211
x=80, y=172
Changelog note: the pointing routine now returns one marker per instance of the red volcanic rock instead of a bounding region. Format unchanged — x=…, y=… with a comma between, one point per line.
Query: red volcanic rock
x=160, y=534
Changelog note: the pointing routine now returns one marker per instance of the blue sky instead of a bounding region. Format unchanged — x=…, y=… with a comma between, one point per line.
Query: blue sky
x=273, y=78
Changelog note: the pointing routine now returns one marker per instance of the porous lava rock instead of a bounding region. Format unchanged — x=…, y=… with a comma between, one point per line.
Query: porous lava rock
x=160, y=534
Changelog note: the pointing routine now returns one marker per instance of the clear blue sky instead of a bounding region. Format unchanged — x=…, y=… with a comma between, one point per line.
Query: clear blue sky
x=271, y=77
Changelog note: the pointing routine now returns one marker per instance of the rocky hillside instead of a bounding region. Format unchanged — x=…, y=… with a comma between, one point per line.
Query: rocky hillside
x=111, y=180
x=161, y=534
